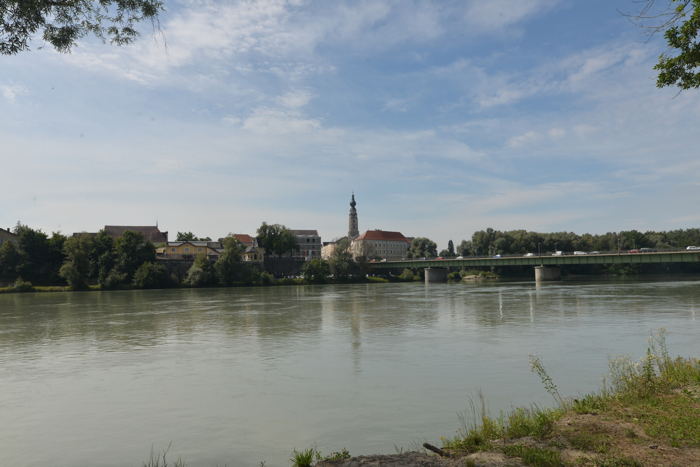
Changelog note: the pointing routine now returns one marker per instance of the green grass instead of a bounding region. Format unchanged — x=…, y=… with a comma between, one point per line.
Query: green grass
x=540, y=457
x=659, y=394
x=305, y=458
x=518, y=423
x=590, y=441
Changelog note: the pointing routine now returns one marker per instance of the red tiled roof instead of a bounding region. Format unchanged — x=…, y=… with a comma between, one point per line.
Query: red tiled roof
x=245, y=239
x=383, y=235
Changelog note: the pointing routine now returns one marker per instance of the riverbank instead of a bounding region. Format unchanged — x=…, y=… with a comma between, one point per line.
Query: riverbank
x=648, y=415
x=25, y=287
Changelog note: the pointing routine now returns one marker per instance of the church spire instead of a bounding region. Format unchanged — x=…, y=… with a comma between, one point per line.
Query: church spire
x=353, y=229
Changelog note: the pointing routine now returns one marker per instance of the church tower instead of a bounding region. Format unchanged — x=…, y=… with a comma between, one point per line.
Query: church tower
x=353, y=229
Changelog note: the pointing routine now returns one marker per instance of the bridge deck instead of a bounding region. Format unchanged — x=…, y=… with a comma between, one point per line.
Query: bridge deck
x=606, y=258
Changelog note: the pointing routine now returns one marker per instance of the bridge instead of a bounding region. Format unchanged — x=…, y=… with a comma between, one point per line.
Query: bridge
x=546, y=267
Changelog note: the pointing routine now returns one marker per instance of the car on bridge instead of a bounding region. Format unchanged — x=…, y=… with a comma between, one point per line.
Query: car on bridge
x=580, y=252
x=529, y=254
x=691, y=247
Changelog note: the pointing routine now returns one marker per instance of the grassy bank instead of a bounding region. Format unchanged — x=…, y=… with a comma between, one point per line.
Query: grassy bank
x=648, y=414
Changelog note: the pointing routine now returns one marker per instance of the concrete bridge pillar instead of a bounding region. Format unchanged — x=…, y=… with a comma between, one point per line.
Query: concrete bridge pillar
x=435, y=275
x=547, y=273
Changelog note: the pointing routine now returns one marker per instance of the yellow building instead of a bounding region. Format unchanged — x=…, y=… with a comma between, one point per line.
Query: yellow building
x=190, y=249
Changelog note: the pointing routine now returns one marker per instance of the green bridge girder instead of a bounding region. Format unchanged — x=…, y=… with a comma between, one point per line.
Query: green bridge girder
x=611, y=258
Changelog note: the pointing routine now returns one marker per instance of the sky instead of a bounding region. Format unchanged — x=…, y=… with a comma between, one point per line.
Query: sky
x=444, y=117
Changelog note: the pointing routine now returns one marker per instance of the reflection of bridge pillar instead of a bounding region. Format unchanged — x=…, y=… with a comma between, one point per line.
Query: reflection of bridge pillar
x=435, y=275
x=547, y=273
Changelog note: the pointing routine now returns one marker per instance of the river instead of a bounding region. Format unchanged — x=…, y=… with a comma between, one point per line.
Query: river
x=242, y=375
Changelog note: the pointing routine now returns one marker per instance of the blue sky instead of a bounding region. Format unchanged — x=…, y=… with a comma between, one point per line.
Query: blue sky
x=444, y=117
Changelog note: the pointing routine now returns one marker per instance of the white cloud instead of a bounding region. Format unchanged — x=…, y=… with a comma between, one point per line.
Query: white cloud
x=268, y=121
x=295, y=99
x=523, y=139
x=12, y=91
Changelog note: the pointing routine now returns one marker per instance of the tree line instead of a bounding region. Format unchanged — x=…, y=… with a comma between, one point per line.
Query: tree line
x=513, y=242
x=491, y=242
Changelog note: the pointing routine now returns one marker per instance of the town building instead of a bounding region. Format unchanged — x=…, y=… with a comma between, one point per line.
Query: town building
x=380, y=243
x=328, y=249
x=308, y=244
x=251, y=251
x=187, y=250
x=7, y=236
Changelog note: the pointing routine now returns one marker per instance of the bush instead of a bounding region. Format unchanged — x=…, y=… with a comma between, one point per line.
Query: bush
x=151, y=276
x=266, y=278
x=23, y=286
x=408, y=275
x=201, y=273
x=113, y=280
x=72, y=274
x=317, y=270
x=454, y=276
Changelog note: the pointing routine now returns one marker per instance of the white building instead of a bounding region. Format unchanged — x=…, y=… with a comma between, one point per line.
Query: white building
x=381, y=243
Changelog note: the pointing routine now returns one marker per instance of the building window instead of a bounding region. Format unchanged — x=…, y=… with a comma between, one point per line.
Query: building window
x=187, y=250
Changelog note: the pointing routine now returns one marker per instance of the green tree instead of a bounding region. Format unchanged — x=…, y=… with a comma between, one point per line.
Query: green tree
x=341, y=263
x=131, y=251
x=9, y=260
x=680, y=22
x=40, y=257
x=450, y=248
x=422, y=247
x=465, y=248
x=76, y=268
x=63, y=22
x=102, y=257
x=228, y=267
x=276, y=239
x=316, y=271
x=190, y=237
x=201, y=273
x=151, y=276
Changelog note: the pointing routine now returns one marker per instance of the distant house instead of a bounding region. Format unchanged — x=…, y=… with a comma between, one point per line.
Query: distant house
x=7, y=236
x=251, y=251
x=246, y=239
x=308, y=244
x=149, y=232
x=187, y=250
x=381, y=243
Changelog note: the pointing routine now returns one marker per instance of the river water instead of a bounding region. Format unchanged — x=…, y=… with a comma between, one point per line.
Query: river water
x=243, y=375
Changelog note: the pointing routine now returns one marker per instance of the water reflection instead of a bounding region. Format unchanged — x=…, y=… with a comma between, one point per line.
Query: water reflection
x=276, y=368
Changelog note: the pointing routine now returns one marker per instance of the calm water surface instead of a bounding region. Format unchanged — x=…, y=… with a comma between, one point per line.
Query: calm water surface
x=239, y=376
